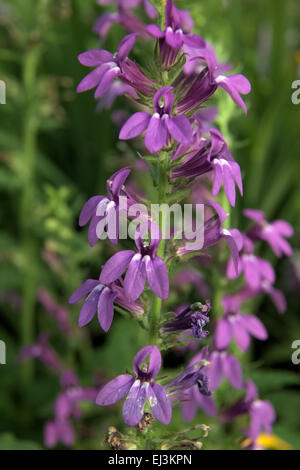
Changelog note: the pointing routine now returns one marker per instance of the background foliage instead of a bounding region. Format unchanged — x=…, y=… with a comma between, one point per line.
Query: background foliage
x=56, y=150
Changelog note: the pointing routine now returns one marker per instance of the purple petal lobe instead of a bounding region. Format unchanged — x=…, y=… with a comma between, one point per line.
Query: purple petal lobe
x=240, y=333
x=89, y=307
x=160, y=404
x=207, y=404
x=222, y=334
x=234, y=85
x=126, y=45
x=135, y=278
x=82, y=290
x=117, y=180
x=89, y=209
x=115, y=390
x=157, y=275
x=134, y=126
x=233, y=371
x=215, y=372
x=180, y=129
x=154, y=30
x=106, y=81
x=90, y=80
x=156, y=134
x=106, y=308
x=254, y=326
x=133, y=408
x=115, y=266
x=154, y=360
x=95, y=57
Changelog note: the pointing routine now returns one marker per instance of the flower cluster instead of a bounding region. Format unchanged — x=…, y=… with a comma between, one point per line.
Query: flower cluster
x=189, y=156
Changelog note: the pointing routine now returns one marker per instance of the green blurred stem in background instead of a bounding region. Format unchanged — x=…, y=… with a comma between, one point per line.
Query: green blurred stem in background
x=30, y=130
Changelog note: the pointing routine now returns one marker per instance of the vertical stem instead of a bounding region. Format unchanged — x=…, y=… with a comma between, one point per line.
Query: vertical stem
x=162, y=191
x=30, y=127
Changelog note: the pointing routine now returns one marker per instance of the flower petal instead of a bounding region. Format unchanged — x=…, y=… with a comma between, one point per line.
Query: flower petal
x=117, y=180
x=154, y=31
x=135, y=279
x=159, y=402
x=133, y=408
x=215, y=371
x=89, y=307
x=90, y=80
x=66, y=433
x=106, y=81
x=254, y=326
x=82, y=290
x=206, y=403
x=233, y=371
x=115, y=266
x=180, y=129
x=240, y=334
x=234, y=85
x=106, y=308
x=125, y=46
x=89, y=209
x=188, y=408
x=157, y=275
x=134, y=126
x=115, y=390
x=50, y=434
x=154, y=360
x=223, y=333
x=95, y=57
x=156, y=134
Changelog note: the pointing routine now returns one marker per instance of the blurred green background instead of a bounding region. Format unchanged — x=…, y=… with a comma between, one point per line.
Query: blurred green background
x=56, y=150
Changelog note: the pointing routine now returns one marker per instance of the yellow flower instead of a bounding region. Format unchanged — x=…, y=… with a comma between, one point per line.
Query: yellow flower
x=270, y=441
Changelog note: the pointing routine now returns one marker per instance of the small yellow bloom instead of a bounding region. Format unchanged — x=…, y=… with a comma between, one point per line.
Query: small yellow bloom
x=270, y=441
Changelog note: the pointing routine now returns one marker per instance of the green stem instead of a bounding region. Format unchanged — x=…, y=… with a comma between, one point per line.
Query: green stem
x=30, y=129
x=162, y=192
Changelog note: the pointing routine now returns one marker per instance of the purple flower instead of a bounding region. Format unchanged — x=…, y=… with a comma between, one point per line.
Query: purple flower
x=276, y=295
x=213, y=233
x=40, y=350
x=117, y=88
x=174, y=36
x=58, y=431
x=60, y=314
x=273, y=233
x=236, y=324
x=192, y=375
x=104, y=211
x=256, y=270
x=190, y=277
x=213, y=156
x=108, y=66
x=222, y=364
x=141, y=265
x=66, y=404
x=158, y=125
x=234, y=85
x=101, y=298
x=262, y=414
x=194, y=90
x=192, y=319
x=138, y=389
x=124, y=17
x=194, y=385
x=65, y=408
x=68, y=379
